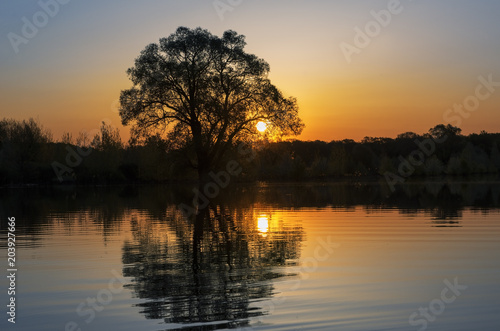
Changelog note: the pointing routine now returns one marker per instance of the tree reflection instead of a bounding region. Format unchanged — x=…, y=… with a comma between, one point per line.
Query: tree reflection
x=103, y=208
x=213, y=268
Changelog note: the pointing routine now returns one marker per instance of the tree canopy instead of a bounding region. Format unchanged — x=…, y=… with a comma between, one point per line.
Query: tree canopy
x=205, y=93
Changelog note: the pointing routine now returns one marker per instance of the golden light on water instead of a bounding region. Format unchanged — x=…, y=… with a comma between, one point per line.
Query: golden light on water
x=261, y=126
x=263, y=225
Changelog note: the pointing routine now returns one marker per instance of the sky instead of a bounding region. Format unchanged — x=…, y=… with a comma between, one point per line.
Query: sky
x=358, y=68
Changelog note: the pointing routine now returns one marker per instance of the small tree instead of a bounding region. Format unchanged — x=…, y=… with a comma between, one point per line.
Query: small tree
x=442, y=131
x=83, y=139
x=67, y=138
x=108, y=140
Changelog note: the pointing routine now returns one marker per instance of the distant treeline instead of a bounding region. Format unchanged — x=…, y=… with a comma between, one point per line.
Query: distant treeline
x=30, y=155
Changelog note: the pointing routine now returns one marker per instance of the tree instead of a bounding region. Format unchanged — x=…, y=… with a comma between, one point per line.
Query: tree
x=22, y=147
x=108, y=140
x=442, y=131
x=408, y=135
x=206, y=93
x=67, y=138
x=449, y=140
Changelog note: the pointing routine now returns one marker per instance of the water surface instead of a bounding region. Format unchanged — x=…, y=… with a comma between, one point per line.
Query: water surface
x=259, y=257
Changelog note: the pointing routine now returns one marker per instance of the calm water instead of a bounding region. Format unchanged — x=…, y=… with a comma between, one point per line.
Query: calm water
x=258, y=257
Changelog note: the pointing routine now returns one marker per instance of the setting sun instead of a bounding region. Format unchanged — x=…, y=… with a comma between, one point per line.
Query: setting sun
x=261, y=126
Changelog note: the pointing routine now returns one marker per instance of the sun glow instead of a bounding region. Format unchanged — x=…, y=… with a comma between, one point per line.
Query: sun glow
x=263, y=225
x=261, y=126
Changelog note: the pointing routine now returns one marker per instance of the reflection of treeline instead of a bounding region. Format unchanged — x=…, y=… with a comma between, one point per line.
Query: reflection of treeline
x=105, y=207
x=29, y=154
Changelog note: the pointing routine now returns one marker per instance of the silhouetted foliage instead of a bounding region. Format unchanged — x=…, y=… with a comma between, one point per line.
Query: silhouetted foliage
x=28, y=155
x=206, y=93
x=23, y=151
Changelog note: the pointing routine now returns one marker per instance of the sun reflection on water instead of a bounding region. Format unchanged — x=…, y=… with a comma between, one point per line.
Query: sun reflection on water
x=263, y=225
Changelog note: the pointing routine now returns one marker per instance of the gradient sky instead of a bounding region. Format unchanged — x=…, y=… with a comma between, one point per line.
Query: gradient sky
x=429, y=57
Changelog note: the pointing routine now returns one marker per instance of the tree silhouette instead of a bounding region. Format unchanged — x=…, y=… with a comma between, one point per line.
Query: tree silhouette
x=206, y=93
x=442, y=131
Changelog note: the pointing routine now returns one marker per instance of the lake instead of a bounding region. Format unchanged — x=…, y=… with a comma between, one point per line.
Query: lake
x=302, y=256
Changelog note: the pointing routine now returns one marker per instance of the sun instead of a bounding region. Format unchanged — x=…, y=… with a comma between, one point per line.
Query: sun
x=261, y=126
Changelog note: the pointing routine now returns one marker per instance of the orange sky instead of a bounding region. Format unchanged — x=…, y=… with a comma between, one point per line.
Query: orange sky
x=425, y=60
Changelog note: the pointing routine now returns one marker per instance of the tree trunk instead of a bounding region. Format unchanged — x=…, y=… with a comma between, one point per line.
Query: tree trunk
x=202, y=155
